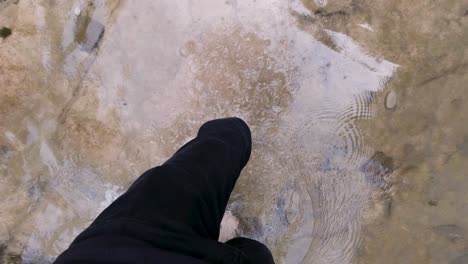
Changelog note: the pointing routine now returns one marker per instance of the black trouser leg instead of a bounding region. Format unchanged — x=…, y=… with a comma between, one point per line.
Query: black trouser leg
x=189, y=193
x=179, y=205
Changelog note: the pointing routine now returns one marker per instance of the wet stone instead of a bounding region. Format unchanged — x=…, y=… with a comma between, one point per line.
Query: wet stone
x=5, y=32
x=391, y=100
x=377, y=168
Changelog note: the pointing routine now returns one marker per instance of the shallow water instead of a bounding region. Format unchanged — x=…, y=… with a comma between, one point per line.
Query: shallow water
x=357, y=112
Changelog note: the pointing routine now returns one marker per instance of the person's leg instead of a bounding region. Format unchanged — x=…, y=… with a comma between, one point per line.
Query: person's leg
x=179, y=205
x=189, y=193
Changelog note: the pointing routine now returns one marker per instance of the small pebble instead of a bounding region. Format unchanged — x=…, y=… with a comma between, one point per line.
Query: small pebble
x=77, y=11
x=391, y=100
x=187, y=49
x=276, y=109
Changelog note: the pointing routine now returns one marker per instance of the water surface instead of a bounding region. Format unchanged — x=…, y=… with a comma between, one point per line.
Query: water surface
x=357, y=112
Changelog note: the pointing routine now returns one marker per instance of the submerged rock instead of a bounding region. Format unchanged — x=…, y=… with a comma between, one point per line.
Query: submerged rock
x=5, y=32
x=377, y=168
x=391, y=100
x=77, y=11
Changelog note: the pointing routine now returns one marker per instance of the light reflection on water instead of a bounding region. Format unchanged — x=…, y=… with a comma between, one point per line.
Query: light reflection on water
x=110, y=108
